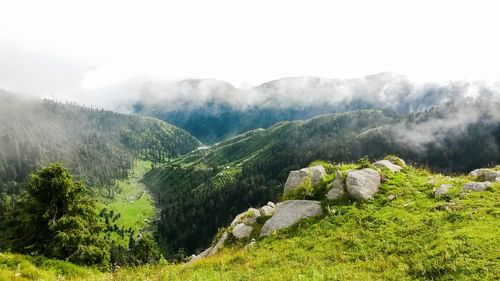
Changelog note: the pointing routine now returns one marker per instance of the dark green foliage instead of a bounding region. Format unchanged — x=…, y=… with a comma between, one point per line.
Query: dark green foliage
x=97, y=146
x=364, y=162
x=56, y=218
x=194, y=205
x=146, y=250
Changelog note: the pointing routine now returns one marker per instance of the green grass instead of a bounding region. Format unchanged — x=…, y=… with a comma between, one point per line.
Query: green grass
x=414, y=236
x=134, y=213
x=20, y=267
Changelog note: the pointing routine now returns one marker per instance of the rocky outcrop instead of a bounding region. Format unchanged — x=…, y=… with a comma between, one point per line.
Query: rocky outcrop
x=493, y=176
x=337, y=187
x=362, y=184
x=212, y=250
x=387, y=165
x=241, y=231
x=396, y=160
x=476, y=186
x=266, y=211
x=479, y=172
x=248, y=217
x=298, y=178
x=442, y=190
x=290, y=212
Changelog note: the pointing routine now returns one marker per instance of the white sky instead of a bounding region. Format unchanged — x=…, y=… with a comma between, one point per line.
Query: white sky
x=47, y=47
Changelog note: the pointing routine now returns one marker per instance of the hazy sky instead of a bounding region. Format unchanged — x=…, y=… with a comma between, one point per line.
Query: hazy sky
x=60, y=48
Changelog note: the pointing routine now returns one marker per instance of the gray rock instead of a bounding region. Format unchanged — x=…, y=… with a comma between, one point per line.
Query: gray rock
x=479, y=172
x=242, y=230
x=388, y=165
x=476, y=186
x=248, y=217
x=491, y=176
x=290, y=212
x=271, y=204
x=362, y=184
x=442, y=190
x=391, y=197
x=250, y=245
x=212, y=250
x=201, y=255
x=297, y=178
x=266, y=211
x=337, y=188
x=219, y=244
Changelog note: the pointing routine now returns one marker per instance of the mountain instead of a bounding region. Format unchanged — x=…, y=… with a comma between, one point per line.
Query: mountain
x=405, y=232
x=202, y=190
x=214, y=110
x=96, y=145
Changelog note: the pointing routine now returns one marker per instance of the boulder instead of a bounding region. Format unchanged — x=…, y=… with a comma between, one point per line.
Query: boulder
x=201, y=255
x=362, y=184
x=388, y=165
x=492, y=176
x=337, y=187
x=242, y=230
x=212, y=250
x=290, y=212
x=297, y=178
x=476, y=186
x=479, y=172
x=248, y=217
x=442, y=190
x=219, y=244
x=396, y=160
x=266, y=211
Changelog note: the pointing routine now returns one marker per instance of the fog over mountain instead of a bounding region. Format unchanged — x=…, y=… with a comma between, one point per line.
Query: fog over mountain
x=197, y=104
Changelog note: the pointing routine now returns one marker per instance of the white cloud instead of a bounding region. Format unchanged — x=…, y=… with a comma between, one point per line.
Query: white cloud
x=249, y=42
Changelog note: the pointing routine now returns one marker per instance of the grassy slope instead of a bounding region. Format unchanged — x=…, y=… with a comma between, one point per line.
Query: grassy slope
x=19, y=267
x=134, y=213
x=414, y=236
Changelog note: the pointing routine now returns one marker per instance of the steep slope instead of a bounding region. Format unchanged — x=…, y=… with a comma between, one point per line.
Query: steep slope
x=96, y=145
x=405, y=232
x=203, y=190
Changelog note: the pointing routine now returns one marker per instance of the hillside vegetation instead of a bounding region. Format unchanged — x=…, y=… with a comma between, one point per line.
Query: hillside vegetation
x=403, y=233
x=201, y=191
x=97, y=146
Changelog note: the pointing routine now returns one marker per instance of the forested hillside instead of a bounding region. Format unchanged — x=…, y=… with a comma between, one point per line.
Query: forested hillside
x=203, y=190
x=214, y=110
x=96, y=145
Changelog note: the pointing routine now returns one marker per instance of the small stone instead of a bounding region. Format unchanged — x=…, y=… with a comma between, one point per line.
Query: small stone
x=250, y=245
x=442, y=190
x=241, y=231
x=271, y=204
x=266, y=211
x=337, y=188
x=388, y=165
x=391, y=197
x=248, y=217
x=476, y=186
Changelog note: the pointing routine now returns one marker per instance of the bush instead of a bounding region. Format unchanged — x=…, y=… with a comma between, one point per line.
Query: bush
x=364, y=162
